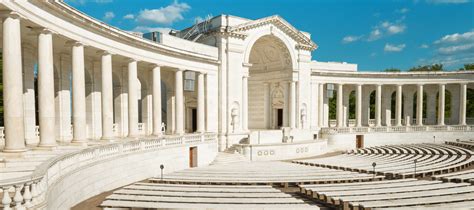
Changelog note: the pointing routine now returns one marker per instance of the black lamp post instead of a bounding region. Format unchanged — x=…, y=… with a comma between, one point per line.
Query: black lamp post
x=162, y=167
x=414, y=176
x=373, y=166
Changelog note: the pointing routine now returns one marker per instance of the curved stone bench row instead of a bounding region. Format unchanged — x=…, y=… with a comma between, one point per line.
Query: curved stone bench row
x=392, y=194
x=398, y=161
x=461, y=176
x=154, y=195
x=262, y=173
x=464, y=144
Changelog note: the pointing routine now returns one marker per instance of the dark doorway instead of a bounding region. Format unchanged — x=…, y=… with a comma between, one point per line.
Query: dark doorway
x=279, y=118
x=193, y=157
x=194, y=120
x=359, y=141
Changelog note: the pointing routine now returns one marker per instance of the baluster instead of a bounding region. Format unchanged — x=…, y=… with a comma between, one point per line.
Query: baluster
x=27, y=195
x=34, y=191
x=6, y=200
x=18, y=198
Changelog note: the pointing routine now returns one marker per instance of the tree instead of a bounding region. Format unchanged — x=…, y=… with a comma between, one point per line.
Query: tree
x=467, y=67
x=1, y=89
x=434, y=67
x=392, y=70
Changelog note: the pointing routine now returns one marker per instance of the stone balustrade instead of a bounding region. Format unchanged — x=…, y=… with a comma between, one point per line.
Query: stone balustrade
x=31, y=191
x=397, y=129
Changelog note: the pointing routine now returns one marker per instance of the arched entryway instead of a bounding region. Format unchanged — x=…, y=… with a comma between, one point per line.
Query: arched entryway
x=269, y=84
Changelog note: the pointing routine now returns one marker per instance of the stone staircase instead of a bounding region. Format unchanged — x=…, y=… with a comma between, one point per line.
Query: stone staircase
x=229, y=157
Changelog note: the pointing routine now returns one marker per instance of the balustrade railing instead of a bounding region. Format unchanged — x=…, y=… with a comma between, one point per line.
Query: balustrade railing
x=31, y=190
x=395, y=129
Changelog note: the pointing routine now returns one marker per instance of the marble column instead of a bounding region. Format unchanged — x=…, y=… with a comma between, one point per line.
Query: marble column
x=441, y=102
x=292, y=104
x=408, y=111
x=462, y=103
x=201, y=125
x=156, y=100
x=179, y=118
x=419, y=105
x=132, y=99
x=245, y=105
x=378, y=106
x=78, y=94
x=29, y=60
x=13, y=85
x=321, y=105
x=398, y=108
x=339, y=106
x=107, y=97
x=358, y=106
x=46, y=89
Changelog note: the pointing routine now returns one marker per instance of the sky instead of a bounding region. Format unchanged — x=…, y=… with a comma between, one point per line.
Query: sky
x=375, y=34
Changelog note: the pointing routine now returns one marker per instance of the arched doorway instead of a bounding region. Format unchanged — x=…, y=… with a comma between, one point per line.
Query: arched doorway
x=268, y=84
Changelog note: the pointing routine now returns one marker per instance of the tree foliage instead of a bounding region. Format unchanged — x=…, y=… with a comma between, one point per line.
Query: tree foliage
x=392, y=70
x=434, y=67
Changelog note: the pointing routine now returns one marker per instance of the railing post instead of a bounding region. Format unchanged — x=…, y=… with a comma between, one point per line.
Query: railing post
x=18, y=198
x=6, y=200
x=27, y=194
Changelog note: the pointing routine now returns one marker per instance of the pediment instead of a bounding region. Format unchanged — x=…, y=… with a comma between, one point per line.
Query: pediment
x=303, y=41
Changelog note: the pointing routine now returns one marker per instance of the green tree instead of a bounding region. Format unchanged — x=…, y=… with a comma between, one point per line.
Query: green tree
x=1, y=89
x=392, y=70
x=467, y=67
x=434, y=67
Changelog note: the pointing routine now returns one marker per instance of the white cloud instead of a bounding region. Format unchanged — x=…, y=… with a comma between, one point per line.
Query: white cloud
x=129, y=16
x=424, y=46
x=403, y=10
x=396, y=29
x=164, y=15
x=349, y=39
x=82, y=2
x=447, y=1
x=146, y=29
x=109, y=16
x=394, y=48
x=198, y=19
x=456, y=38
x=453, y=50
x=374, y=35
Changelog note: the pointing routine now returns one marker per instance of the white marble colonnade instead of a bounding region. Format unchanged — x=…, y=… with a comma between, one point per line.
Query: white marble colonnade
x=13, y=91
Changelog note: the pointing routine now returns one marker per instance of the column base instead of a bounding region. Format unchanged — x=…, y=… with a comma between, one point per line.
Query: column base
x=46, y=147
x=14, y=151
x=107, y=138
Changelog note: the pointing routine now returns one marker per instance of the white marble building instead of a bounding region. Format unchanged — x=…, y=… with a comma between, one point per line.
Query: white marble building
x=251, y=83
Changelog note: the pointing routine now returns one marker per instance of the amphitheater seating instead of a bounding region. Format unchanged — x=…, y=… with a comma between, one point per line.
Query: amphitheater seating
x=461, y=176
x=464, y=144
x=167, y=196
x=392, y=194
x=398, y=161
x=279, y=173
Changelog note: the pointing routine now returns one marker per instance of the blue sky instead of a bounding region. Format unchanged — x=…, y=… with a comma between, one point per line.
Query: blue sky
x=376, y=34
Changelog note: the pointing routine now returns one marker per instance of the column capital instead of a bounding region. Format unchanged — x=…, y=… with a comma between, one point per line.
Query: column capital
x=42, y=30
x=10, y=14
x=74, y=43
x=155, y=65
x=131, y=60
x=103, y=52
x=399, y=85
x=180, y=69
x=420, y=84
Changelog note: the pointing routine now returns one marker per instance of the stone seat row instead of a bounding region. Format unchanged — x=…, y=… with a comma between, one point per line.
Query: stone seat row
x=153, y=195
x=461, y=176
x=392, y=194
x=400, y=164
x=464, y=144
x=414, y=149
x=267, y=173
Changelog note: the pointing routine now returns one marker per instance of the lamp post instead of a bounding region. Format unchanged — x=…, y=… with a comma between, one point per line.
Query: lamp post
x=434, y=139
x=414, y=175
x=162, y=167
x=373, y=166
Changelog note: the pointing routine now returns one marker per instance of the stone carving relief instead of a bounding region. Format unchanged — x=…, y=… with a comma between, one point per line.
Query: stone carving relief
x=235, y=113
x=278, y=98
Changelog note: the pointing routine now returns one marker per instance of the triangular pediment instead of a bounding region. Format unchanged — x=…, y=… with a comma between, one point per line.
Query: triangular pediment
x=298, y=36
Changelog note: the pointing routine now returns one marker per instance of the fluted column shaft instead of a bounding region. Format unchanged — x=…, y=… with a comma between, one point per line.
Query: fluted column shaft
x=107, y=97
x=339, y=106
x=462, y=103
x=398, y=110
x=78, y=94
x=179, y=128
x=321, y=105
x=292, y=104
x=359, y=106
x=157, y=101
x=419, y=106
x=46, y=89
x=132, y=99
x=245, y=105
x=201, y=126
x=441, y=102
x=378, y=106
x=12, y=85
